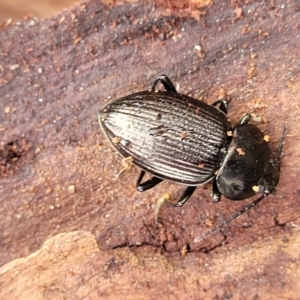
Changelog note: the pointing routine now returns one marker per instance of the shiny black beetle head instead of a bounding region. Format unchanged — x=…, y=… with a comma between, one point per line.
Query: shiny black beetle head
x=244, y=164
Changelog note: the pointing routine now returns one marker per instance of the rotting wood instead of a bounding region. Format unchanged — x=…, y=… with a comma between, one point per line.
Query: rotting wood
x=57, y=170
x=71, y=266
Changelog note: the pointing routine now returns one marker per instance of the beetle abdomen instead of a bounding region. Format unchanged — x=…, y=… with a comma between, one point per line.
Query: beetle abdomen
x=172, y=136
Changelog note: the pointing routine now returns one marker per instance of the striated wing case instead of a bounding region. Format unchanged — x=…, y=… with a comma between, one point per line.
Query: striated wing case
x=172, y=136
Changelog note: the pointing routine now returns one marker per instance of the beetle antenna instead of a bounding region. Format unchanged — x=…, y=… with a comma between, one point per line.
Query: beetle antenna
x=234, y=216
x=281, y=143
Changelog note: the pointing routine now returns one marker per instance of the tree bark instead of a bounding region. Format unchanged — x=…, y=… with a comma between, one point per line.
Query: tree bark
x=57, y=171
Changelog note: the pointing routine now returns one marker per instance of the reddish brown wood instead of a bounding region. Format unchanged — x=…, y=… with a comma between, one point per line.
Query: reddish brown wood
x=58, y=171
x=71, y=266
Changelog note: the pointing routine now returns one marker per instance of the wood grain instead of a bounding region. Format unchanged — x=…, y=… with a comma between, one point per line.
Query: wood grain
x=58, y=171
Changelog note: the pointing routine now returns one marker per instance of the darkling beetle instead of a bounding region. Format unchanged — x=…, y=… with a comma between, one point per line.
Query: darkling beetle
x=181, y=139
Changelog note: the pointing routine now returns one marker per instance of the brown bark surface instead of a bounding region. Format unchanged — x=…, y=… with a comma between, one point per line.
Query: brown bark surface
x=71, y=266
x=57, y=171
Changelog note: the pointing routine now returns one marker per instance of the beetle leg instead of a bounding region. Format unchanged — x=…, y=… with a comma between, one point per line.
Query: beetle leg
x=245, y=119
x=185, y=196
x=221, y=104
x=148, y=184
x=167, y=83
x=216, y=195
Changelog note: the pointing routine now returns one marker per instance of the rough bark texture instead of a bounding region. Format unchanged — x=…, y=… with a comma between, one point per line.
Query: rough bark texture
x=57, y=171
x=71, y=266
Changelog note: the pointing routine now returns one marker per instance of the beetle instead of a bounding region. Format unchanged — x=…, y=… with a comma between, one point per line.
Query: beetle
x=178, y=138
